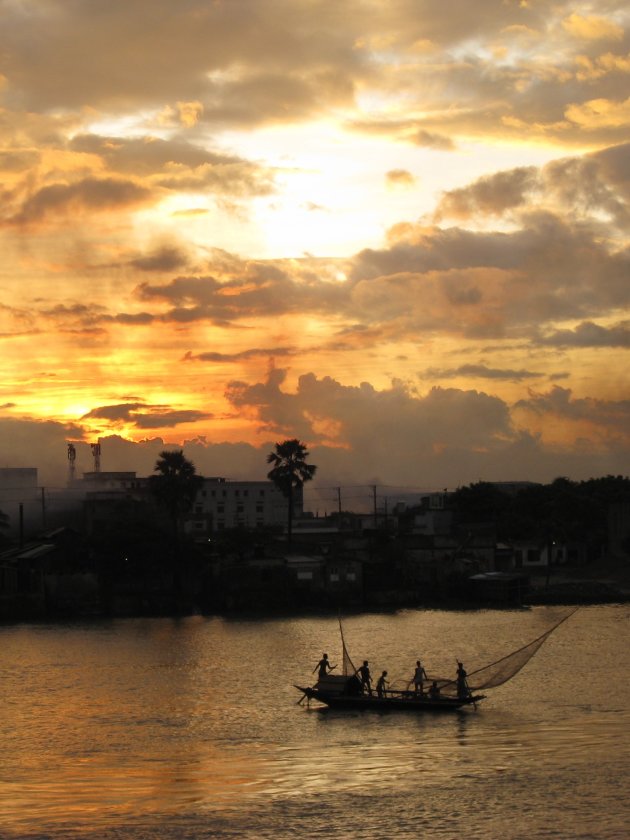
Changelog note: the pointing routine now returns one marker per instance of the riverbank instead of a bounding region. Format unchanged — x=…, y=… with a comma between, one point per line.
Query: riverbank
x=605, y=583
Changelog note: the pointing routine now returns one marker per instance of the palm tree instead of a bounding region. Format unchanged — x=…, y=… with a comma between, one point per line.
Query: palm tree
x=176, y=485
x=290, y=471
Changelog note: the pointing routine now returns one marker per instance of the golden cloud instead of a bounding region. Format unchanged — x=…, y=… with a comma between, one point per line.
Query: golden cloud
x=604, y=65
x=600, y=113
x=592, y=27
x=189, y=113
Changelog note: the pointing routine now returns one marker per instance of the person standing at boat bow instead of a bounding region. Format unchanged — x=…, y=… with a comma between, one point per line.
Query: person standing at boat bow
x=463, y=691
x=324, y=667
x=419, y=676
x=366, y=678
x=381, y=685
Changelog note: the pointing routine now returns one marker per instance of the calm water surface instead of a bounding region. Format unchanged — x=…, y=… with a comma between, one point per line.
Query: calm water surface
x=162, y=728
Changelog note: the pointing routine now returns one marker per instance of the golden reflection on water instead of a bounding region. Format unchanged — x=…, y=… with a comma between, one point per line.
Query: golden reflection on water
x=106, y=723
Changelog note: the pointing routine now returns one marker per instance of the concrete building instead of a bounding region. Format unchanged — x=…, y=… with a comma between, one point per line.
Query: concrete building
x=223, y=504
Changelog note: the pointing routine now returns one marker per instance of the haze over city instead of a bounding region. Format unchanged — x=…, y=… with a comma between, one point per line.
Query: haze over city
x=395, y=232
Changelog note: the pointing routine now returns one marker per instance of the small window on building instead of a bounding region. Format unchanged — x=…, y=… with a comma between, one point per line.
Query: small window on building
x=203, y=494
x=259, y=508
x=220, y=508
x=245, y=492
x=198, y=508
x=237, y=492
x=305, y=575
x=351, y=576
x=334, y=577
x=239, y=508
x=261, y=493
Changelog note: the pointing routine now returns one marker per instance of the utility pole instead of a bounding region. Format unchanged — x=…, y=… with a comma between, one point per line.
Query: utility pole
x=43, y=508
x=339, y=508
x=375, y=510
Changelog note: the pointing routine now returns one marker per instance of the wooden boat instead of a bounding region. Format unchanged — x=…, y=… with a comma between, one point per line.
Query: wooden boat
x=344, y=691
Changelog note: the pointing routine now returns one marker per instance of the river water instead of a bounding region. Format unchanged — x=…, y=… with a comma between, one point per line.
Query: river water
x=189, y=728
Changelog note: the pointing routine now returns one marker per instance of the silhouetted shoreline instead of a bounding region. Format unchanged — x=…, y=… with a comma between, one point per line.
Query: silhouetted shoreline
x=576, y=587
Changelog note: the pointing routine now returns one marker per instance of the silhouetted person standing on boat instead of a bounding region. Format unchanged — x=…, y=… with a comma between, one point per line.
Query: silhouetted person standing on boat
x=382, y=684
x=366, y=678
x=419, y=676
x=463, y=692
x=324, y=667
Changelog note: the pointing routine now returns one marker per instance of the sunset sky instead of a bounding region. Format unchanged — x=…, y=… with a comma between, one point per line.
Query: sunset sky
x=399, y=231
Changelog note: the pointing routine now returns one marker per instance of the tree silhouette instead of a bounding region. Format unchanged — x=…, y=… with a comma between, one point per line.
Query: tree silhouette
x=290, y=472
x=175, y=487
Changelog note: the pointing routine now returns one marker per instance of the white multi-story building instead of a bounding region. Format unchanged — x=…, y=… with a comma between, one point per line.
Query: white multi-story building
x=222, y=504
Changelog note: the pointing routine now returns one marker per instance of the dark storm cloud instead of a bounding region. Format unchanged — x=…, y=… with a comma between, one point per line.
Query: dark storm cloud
x=92, y=194
x=165, y=258
x=491, y=194
x=251, y=289
x=610, y=416
x=393, y=412
x=161, y=419
x=547, y=270
x=121, y=411
x=578, y=187
x=147, y=155
x=187, y=53
x=145, y=416
x=406, y=131
x=589, y=334
x=480, y=372
x=178, y=164
x=252, y=353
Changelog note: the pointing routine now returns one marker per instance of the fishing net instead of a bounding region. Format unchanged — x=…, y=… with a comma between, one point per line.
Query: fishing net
x=489, y=676
x=504, y=669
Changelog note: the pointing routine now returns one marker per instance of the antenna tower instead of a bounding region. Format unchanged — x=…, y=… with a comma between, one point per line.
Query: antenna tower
x=96, y=452
x=72, y=456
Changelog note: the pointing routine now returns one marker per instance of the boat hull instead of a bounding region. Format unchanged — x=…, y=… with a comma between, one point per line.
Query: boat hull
x=400, y=703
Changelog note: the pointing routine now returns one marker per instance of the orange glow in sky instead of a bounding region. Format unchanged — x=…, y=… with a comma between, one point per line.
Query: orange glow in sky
x=396, y=233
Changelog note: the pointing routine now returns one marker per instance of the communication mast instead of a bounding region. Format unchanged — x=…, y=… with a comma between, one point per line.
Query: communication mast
x=72, y=456
x=96, y=452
